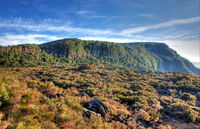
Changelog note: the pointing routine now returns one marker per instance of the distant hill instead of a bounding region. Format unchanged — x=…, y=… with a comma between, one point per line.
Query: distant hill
x=136, y=56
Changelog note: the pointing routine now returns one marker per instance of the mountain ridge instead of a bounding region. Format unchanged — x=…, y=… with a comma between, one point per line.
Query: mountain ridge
x=166, y=52
x=137, y=56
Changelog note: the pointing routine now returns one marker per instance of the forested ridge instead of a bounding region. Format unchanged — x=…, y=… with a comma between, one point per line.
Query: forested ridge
x=136, y=56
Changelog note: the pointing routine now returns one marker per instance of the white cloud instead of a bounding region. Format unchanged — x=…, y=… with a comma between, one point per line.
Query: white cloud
x=19, y=24
x=82, y=12
x=188, y=49
x=146, y=15
x=12, y=39
x=89, y=14
x=116, y=40
x=159, y=25
x=183, y=35
x=137, y=38
x=96, y=16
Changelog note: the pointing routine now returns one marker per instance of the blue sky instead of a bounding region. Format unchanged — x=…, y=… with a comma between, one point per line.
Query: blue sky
x=175, y=22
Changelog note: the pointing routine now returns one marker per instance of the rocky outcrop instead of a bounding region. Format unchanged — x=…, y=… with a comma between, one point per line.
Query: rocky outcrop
x=97, y=106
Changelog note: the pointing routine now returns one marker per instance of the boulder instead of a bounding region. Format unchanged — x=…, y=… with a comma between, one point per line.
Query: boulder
x=97, y=106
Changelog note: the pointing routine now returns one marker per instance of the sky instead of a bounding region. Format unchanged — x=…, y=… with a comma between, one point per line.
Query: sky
x=174, y=22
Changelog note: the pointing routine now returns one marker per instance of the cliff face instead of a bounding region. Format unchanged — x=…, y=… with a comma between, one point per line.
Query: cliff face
x=70, y=48
x=137, y=56
x=169, y=60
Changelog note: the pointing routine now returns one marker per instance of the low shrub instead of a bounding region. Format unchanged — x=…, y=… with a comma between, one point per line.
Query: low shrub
x=143, y=115
x=188, y=97
x=183, y=112
x=86, y=67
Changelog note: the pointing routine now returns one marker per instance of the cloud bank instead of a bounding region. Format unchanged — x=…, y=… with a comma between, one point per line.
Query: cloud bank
x=31, y=26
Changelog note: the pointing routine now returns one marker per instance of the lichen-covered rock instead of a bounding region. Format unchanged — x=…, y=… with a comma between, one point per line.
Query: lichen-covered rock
x=97, y=106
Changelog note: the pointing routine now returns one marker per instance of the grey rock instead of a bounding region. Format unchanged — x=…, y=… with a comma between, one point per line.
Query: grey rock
x=97, y=106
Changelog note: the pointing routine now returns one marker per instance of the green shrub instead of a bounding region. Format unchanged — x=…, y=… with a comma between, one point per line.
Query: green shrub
x=85, y=67
x=28, y=122
x=198, y=96
x=179, y=107
x=48, y=116
x=191, y=115
x=183, y=112
x=4, y=97
x=26, y=110
x=25, y=98
x=188, y=97
x=143, y=115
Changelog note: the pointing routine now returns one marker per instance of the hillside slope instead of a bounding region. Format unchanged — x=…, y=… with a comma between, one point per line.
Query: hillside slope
x=115, y=55
x=170, y=60
x=137, y=56
x=61, y=98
